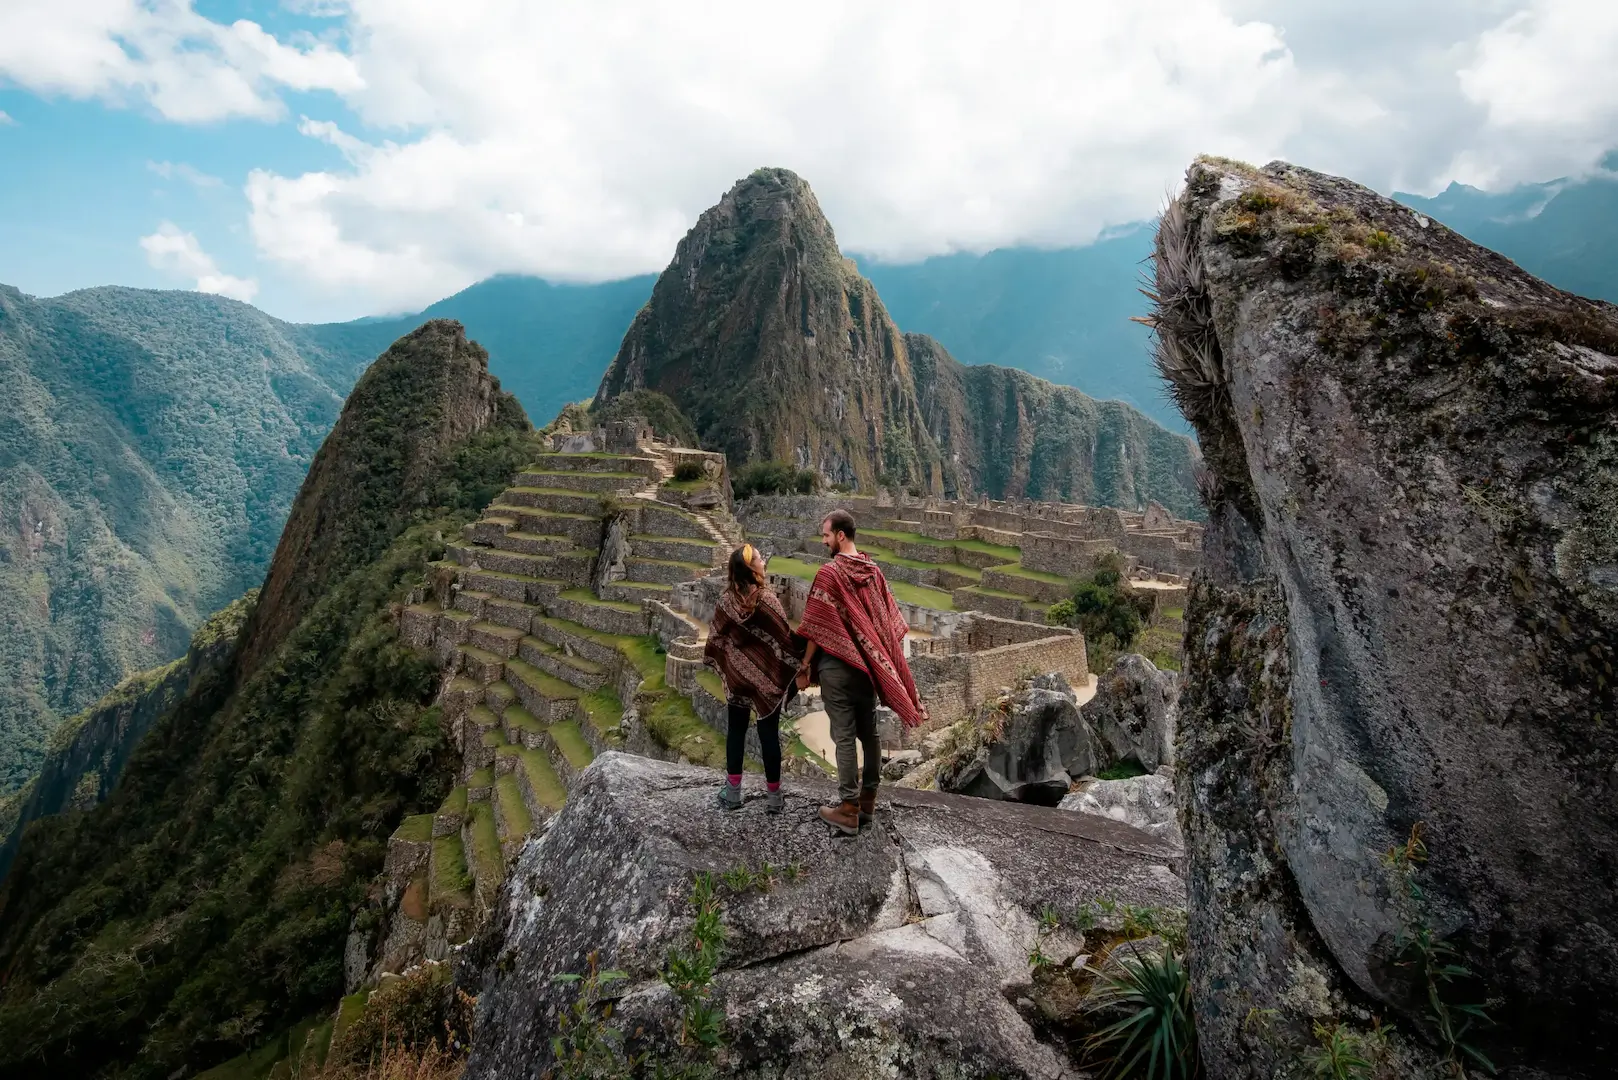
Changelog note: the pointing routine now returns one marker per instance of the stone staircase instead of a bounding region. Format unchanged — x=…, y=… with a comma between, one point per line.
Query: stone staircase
x=542, y=668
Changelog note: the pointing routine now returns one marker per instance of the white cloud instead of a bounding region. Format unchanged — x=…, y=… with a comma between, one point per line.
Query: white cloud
x=1548, y=78
x=170, y=170
x=579, y=141
x=178, y=252
x=163, y=54
x=5, y=118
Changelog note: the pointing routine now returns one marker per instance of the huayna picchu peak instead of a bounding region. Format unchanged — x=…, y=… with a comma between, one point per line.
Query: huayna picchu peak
x=779, y=350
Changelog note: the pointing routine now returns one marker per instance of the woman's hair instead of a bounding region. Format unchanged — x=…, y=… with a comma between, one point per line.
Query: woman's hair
x=742, y=574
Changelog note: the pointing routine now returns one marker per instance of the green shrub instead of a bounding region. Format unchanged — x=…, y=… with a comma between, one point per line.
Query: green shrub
x=773, y=478
x=1106, y=608
x=686, y=471
x=1156, y=1037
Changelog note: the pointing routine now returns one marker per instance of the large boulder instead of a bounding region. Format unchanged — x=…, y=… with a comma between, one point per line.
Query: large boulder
x=1135, y=710
x=1145, y=802
x=901, y=952
x=1398, y=716
x=1032, y=746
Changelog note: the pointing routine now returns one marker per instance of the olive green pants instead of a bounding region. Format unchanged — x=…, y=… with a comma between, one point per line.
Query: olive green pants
x=850, y=702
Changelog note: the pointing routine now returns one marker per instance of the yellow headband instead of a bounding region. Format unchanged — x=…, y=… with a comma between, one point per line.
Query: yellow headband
x=747, y=553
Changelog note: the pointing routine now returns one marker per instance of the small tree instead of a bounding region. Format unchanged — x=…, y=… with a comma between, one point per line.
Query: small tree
x=1105, y=607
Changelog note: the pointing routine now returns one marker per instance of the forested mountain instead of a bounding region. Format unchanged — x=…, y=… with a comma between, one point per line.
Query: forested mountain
x=150, y=446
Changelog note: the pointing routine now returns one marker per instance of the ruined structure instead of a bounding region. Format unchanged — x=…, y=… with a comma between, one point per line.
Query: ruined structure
x=1396, y=752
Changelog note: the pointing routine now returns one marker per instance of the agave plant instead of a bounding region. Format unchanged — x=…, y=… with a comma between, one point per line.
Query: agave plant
x=1155, y=1038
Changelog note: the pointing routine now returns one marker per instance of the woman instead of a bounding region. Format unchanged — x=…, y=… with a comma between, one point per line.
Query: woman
x=755, y=653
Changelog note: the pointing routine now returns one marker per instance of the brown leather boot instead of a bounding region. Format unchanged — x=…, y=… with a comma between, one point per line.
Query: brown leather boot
x=867, y=805
x=844, y=817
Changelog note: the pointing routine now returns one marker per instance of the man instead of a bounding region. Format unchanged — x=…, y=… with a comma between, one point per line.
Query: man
x=856, y=643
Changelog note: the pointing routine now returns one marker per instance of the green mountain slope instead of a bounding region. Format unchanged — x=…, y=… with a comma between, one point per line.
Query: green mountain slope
x=149, y=449
x=777, y=349
x=206, y=902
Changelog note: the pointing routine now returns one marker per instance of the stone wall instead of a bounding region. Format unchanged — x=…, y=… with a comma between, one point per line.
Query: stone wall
x=1062, y=555
x=957, y=673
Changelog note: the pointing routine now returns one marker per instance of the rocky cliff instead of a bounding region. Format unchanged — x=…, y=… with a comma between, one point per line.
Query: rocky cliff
x=1397, y=742
x=206, y=902
x=778, y=349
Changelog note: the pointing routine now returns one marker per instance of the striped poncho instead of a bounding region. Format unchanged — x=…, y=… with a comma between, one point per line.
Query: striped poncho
x=753, y=648
x=852, y=614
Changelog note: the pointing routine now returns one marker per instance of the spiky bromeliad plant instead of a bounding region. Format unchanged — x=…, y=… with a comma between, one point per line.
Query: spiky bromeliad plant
x=1156, y=1038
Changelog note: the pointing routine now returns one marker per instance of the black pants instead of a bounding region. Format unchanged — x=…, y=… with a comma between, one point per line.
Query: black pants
x=769, y=741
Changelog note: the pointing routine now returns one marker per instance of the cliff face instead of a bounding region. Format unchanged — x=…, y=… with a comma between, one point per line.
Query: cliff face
x=1397, y=731
x=777, y=348
x=1008, y=434
x=206, y=902
x=87, y=752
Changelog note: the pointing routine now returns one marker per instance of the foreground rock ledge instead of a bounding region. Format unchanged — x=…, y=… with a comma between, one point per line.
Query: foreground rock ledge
x=898, y=953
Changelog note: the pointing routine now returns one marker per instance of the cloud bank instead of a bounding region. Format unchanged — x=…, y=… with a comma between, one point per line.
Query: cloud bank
x=580, y=141
x=178, y=252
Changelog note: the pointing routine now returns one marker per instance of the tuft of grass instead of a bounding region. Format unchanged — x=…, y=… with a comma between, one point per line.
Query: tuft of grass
x=1156, y=1037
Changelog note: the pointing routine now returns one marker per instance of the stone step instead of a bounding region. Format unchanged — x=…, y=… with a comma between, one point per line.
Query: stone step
x=600, y=716
x=633, y=592
x=570, y=752
x=557, y=500
x=459, y=695
x=613, y=617
x=571, y=566
x=604, y=482
x=547, y=697
x=702, y=552
x=480, y=665
x=487, y=529
x=516, y=615
x=492, y=637
x=583, y=529
x=449, y=887
x=499, y=697
x=518, y=587
x=657, y=519
x=478, y=783
x=447, y=819
x=600, y=648
x=554, y=660
x=418, y=623
x=522, y=729
x=595, y=463
x=543, y=791
x=480, y=837
x=511, y=814
x=528, y=543
x=665, y=571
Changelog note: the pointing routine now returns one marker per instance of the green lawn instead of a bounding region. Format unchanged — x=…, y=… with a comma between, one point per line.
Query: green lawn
x=783, y=564
x=710, y=681
x=542, y=779
x=454, y=802
x=450, y=878
x=1018, y=570
x=570, y=741
x=585, y=596
x=605, y=711
x=675, y=724
x=1009, y=554
x=486, y=845
x=481, y=778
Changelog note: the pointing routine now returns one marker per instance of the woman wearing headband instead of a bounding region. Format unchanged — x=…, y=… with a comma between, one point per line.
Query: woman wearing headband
x=756, y=654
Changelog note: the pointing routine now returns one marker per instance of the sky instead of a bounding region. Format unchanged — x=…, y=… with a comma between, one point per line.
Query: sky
x=327, y=159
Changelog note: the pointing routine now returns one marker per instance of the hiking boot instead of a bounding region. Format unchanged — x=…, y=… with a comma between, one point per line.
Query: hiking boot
x=774, y=801
x=729, y=797
x=844, y=817
x=867, y=805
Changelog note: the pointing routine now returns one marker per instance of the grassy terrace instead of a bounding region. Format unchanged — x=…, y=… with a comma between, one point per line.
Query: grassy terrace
x=486, y=844
x=886, y=555
x=920, y=595
x=454, y=802
x=677, y=726
x=548, y=685
x=418, y=829
x=999, y=551
x=710, y=681
x=570, y=741
x=604, y=710
x=451, y=882
x=563, y=455
x=542, y=779
x=641, y=652
x=512, y=807
x=585, y=596
x=686, y=485
x=536, y=470
x=1018, y=570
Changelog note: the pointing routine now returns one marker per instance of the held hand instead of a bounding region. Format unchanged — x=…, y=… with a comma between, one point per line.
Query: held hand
x=803, y=678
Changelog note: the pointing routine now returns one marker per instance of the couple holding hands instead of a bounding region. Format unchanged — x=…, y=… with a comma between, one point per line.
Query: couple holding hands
x=850, y=641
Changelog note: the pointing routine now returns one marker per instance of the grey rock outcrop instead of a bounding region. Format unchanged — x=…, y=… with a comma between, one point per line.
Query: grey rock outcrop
x=1041, y=743
x=1408, y=618
x=612, y=562
x=1145, y=802
x=902, y=952
x=1135, y=710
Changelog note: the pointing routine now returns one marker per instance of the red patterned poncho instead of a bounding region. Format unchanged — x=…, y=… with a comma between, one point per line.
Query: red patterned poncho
x=851, y=614
x=752, y=647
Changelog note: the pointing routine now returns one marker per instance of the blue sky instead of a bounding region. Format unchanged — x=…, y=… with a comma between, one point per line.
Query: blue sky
x=333, y=158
